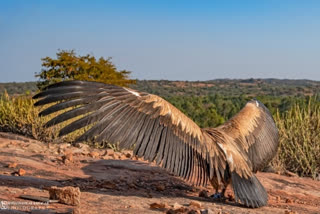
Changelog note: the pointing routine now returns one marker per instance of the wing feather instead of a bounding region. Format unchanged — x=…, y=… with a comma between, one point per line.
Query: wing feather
x=160, y=153
x=255, y=133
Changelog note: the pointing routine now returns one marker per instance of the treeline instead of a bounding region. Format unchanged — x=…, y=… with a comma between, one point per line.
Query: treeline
x=213, y=110
x=231, y=87
x=224, y=87
x=18, y=88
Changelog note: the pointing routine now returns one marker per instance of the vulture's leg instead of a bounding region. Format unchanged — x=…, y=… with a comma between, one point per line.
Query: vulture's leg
x=225, y=185
x=220, y=195
x=223, y=191
x=215, y=185
x=217, y=194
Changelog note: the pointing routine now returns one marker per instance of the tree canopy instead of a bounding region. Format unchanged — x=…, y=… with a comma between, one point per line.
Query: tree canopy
x=69, y=66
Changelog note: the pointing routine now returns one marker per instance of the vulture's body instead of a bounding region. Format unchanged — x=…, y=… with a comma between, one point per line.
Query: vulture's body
x=230, y=153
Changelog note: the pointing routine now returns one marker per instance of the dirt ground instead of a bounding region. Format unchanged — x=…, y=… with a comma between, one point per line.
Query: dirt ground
x=116, y=182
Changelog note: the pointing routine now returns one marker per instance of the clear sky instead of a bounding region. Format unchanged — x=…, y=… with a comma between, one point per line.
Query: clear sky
x=175, y=40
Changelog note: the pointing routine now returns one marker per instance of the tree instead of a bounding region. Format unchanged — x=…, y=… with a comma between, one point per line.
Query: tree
x=69, y=66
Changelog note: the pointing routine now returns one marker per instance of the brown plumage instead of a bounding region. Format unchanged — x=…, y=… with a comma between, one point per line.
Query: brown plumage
x=158, y=131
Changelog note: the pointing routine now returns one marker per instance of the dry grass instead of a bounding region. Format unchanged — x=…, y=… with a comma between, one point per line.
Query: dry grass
x=18, y=115
x=299, y=130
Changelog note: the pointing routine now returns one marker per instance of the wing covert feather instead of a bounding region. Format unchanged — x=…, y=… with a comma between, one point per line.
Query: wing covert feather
x=254, y=131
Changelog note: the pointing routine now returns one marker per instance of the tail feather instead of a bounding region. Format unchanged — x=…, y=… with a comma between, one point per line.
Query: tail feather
x=250, y=191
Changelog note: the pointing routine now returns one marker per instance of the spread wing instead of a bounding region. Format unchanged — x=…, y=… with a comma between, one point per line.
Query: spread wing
x=254, y=130
x=252, y=135
x=157, y=130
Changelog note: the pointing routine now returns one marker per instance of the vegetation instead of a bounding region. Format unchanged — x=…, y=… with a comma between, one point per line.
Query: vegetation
x=19, y=115
x=223, y=87
x=231, y=87
x=69, y=66
x=300, y=138
x=297, y=115
x=14, y=88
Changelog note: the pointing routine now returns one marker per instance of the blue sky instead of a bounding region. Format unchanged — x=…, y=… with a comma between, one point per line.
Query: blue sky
x=175, y=40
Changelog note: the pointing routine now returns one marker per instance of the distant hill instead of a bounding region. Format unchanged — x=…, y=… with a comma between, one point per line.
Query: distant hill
x=226, y=87
x=17, y=88
x=231, y=87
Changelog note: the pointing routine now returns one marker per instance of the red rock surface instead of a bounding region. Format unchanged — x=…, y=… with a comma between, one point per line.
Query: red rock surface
x=66, y=195
x=110, y=185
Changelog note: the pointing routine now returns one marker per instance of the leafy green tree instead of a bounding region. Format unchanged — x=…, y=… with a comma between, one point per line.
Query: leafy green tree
x=69, y=66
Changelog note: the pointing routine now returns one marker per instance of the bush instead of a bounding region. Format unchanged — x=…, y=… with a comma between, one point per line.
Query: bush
x=299, y=130
x=18, y=115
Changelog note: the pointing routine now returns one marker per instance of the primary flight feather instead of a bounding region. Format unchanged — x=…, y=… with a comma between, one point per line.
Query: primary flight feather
x=230, y=153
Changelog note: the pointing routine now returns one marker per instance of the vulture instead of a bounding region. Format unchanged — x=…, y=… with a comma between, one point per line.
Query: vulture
x=157, y=131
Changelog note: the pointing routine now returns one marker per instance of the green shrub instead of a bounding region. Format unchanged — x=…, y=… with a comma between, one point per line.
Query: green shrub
x=299, y=130
x=18, y=115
